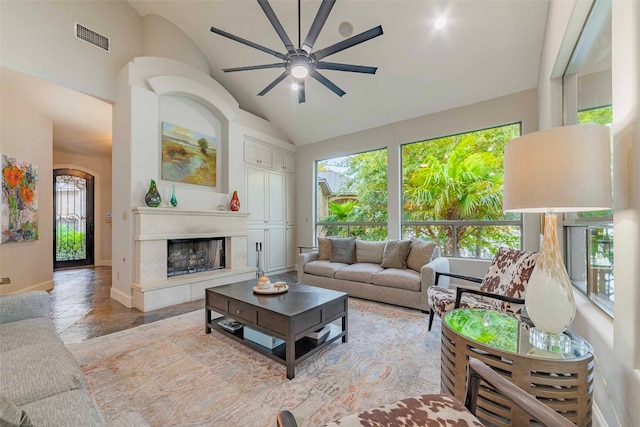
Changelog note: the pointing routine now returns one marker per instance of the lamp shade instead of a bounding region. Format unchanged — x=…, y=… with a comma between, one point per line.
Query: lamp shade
x=565, y=169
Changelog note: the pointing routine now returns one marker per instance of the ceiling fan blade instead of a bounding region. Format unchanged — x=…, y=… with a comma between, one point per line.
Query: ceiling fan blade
x=275, y=22
x=318, y=23
x=253, y=67
x=280, y=78
x=351, y=41
x=321, y=65
x=322, y=79
x=247, y=42
x=301, y=97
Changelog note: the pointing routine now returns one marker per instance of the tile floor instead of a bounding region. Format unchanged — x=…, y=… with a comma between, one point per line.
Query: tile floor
x=81, y=307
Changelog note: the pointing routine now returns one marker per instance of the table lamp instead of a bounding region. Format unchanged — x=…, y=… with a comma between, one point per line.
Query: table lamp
x=565, y=169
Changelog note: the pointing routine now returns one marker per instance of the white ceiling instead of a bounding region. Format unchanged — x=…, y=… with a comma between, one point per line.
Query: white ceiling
x=488, y=48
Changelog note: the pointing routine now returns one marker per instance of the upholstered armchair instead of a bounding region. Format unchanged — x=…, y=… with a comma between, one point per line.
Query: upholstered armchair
x=442, y=409
x=503, y=287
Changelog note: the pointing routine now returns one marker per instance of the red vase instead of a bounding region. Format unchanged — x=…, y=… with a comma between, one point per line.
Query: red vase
x=235, y=202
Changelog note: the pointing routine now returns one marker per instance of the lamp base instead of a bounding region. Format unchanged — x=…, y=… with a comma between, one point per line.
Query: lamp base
x=554, y=343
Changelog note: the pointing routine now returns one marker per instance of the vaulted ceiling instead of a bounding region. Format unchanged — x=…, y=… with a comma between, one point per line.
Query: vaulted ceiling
x=488, y=48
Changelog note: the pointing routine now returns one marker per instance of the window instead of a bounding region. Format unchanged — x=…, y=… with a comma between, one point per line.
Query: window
x=452, y=193
x=587, y=99
x=351, y=196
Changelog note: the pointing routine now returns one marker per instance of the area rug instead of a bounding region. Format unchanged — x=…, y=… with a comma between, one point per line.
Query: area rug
x=174, y=374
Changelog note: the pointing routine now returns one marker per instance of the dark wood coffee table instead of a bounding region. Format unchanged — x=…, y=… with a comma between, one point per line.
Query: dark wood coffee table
x=289, y=316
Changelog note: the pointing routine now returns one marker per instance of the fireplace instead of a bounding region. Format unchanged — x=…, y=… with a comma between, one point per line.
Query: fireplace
x=155, y=286
x=186, y=256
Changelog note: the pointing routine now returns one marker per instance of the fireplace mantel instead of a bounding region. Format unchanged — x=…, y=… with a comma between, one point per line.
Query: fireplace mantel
x=154, y=226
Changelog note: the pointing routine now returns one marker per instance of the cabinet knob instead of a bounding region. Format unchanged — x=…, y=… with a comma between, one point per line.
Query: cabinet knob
x=238, y=311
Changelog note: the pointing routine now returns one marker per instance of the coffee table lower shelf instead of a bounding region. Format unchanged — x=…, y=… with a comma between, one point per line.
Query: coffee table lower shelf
x=290, y=317
x=305, y=347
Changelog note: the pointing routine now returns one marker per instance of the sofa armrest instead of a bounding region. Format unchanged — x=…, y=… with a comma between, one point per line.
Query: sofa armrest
x=304, y=258
x=428, y=271
x=25, y=305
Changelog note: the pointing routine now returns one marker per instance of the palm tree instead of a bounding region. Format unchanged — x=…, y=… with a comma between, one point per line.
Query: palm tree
x=465, y=186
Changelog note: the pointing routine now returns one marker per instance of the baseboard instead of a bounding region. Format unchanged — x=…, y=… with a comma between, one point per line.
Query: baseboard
x=121, y=297
x=597, y=418
x=103, y=263
x=15, y=289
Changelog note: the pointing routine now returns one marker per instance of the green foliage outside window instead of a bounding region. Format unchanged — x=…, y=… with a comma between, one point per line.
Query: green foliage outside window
x=454, y=178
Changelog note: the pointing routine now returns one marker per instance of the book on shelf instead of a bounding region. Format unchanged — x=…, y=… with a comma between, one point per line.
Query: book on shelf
x=230, y=325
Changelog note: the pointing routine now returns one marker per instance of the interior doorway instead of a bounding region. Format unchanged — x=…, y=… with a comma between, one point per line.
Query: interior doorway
x=73, y=198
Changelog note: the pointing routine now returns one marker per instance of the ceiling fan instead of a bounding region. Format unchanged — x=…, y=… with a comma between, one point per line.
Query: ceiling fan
x=300, y=62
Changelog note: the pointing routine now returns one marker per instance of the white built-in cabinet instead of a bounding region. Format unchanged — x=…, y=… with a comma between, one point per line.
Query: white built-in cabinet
x=270, y=201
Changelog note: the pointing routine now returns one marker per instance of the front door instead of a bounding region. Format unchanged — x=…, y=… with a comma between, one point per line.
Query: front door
x=73, y=223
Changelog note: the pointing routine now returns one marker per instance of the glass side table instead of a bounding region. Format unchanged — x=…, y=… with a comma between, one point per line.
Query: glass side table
x=562, y=380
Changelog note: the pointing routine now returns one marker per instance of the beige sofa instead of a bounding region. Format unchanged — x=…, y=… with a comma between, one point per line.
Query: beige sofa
x=41, y=383
x=394, y=272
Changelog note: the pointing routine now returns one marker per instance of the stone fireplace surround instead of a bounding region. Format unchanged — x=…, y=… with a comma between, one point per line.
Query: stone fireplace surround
x=152, y=288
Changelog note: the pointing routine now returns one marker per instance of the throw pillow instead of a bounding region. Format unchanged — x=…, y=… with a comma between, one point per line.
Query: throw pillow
x=324, y=248
x=343, y=250
x=369, y=251
x=11, y=414
x=395, y=253
x=420, y=254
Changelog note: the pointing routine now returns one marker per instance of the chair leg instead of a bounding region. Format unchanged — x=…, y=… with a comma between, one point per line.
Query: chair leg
x=430, y=318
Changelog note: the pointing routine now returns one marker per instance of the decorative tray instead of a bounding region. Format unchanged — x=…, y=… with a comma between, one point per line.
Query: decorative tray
x=276, y=288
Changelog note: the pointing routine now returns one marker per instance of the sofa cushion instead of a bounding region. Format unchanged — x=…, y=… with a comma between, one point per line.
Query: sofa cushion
x=39, y=330
x=38, y=371
x=395, y=253
x=323, y=268
x=343, y=250
x=324, y=248
x=420, y=254
x=398, y=278
x=12, y=415
x=360, y=272
x=369, y=251
x=72, y=408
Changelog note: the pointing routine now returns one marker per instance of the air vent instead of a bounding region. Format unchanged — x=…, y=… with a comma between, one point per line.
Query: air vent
x=98, y=40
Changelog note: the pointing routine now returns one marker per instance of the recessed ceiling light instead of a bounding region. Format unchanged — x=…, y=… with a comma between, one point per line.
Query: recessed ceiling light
x=294, y=86
x=440, y=22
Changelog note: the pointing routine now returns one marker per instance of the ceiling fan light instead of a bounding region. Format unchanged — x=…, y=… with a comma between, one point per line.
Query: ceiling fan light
x=299, y=71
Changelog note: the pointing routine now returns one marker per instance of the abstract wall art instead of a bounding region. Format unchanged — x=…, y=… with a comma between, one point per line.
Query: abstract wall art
x=188, y=156
x=19, y=201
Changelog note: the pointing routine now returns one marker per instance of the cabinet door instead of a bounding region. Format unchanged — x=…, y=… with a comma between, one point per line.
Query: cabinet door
x=256, y=153
x=292, y=251
x=275, y=197
x=277, y=158
x=256, y=198
x=289, y=162
x=290, y=198
x=255, y=236
x=277, y=254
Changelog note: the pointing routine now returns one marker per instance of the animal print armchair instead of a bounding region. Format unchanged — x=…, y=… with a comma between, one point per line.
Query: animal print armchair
x=445, y=410
x=503, y=287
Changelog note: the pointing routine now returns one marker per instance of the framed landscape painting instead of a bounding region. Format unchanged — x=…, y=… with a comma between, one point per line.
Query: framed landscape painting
x=188, y=156
x=19, y=201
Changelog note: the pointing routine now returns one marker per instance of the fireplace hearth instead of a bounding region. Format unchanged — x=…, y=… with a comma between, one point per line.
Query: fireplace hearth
x=186, y=256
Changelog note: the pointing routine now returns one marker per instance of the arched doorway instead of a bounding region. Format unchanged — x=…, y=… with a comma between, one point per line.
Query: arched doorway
x=73, y=197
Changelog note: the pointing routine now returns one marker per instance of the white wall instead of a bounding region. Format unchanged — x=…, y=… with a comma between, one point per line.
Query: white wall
x=161, y=38
x=26, y=135
x=616, y=342
x=38, y=39
x=100, y=169
x=518, y=107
